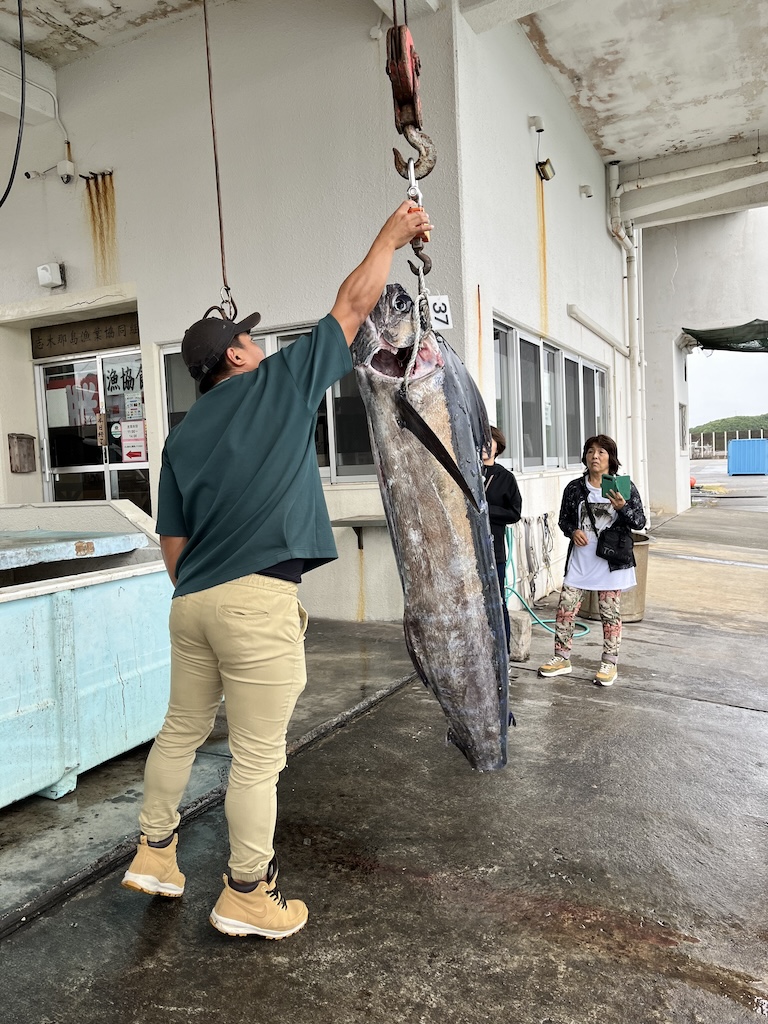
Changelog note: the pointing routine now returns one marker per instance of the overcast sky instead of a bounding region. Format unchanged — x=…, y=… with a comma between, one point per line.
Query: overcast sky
x=726, y=384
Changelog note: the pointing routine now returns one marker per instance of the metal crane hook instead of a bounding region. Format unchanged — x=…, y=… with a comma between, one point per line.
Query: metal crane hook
x=426, y=150
x=424, y=259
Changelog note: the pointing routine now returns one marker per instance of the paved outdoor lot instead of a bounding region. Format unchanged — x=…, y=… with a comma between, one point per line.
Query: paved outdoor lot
x=614, y=873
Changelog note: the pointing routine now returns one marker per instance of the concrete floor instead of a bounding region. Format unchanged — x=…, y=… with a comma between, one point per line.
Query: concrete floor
x=615, y=872
x=50, y=848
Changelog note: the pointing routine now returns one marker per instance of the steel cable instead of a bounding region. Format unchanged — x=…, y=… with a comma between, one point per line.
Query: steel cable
x=226, y=293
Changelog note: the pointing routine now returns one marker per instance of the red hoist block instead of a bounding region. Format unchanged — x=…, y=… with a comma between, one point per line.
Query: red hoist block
x=403, y=68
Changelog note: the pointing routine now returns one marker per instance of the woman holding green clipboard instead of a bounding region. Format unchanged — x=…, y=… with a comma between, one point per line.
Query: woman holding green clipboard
x=595, y=501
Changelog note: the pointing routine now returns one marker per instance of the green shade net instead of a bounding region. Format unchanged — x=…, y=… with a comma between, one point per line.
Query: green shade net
x=751, y=337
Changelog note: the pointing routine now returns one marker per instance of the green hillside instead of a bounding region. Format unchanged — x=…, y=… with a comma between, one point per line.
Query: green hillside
x=731, y=423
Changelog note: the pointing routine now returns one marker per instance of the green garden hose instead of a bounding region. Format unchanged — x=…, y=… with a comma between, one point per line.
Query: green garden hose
x=582, y=626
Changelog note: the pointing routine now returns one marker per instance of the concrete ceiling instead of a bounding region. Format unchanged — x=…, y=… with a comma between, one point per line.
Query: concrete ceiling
x=657, y=84
x=59, y=32
x=652, y=77
x=645, y=77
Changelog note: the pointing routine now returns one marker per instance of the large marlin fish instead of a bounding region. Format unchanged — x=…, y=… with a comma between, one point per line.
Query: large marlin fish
x=428, y=425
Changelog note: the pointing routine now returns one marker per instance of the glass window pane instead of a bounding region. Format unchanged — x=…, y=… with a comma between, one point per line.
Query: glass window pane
x=71, y=405
x=590, y=419
x=181, y=390
x=530, y=388
x=572, y=411
x=79, y=487
x=132, y=484
x=353, y=445
x=124, y=406
x=602, y=409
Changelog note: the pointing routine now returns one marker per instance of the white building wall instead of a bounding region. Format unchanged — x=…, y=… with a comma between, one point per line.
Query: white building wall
x=507, y=246
x=704, y=273
x=305, y=130
x=17, y=415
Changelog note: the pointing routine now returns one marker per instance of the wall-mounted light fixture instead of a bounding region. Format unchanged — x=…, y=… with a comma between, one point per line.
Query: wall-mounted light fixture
x=544, y=167
x=585, y=191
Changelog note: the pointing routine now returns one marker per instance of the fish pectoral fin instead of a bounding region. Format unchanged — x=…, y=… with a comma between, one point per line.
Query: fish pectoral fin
x=412, y=653
x=419, y=427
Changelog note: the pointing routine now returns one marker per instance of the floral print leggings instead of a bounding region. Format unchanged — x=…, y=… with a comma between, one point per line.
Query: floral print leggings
x=609, y=605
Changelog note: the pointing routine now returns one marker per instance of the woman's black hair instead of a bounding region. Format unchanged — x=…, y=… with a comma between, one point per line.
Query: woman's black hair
x=608, y=445
x=498, y=437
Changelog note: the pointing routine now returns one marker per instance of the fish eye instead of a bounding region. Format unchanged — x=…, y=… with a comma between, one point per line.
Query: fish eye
x=401, y=303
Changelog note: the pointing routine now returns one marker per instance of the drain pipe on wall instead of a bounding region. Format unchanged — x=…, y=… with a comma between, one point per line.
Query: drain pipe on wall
x=643, y=367
x=625, y=236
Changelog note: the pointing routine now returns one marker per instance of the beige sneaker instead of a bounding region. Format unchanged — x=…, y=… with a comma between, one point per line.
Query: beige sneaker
x=558, y=666
x=607, y=674
x=154, y=870
x=265, y=911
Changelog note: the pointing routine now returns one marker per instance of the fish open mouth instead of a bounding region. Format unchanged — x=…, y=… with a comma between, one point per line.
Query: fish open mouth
x=389, y=361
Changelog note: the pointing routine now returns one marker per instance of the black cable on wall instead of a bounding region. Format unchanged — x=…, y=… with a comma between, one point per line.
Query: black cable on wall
x=22, y=109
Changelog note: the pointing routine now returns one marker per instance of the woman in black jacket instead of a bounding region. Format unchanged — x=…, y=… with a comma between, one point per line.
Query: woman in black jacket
x=504, y=507
x=584, y=514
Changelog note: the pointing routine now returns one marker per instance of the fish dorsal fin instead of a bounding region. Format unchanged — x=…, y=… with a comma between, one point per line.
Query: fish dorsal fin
x=478, y=414
x=422, y=430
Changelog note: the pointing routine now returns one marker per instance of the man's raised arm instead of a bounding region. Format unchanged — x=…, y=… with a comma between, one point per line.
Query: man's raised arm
x=360, y=292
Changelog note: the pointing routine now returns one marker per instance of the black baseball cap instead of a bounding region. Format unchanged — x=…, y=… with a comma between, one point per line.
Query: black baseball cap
x=206, y=341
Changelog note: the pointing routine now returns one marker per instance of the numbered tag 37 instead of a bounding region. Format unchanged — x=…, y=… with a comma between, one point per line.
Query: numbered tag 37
x=440, y=308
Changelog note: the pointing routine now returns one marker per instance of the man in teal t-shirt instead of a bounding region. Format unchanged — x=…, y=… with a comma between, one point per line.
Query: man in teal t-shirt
x=241, y=515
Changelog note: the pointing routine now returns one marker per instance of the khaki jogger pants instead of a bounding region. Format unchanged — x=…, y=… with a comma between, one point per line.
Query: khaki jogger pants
x=245, y=640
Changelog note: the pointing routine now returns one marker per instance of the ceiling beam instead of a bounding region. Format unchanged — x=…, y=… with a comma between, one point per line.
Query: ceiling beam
x=688, y=186
x=722, y=206
x=41, y=83
x=416, y=8
x=484, y=15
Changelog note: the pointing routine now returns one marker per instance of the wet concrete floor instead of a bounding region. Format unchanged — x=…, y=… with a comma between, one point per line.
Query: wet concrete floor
x=50, y=847
x=615, y=872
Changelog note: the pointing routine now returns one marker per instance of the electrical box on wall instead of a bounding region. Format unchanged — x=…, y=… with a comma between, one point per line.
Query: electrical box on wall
x=51, y=275
x=21, y=448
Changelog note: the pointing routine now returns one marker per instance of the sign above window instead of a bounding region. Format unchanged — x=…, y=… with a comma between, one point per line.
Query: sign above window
x=117, y=331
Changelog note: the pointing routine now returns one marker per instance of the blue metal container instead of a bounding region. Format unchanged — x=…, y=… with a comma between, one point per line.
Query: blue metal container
x=748, y=456
x=85, y=668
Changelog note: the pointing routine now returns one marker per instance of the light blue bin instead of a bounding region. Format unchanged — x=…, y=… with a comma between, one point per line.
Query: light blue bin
x=748, y=456
x=85, y=662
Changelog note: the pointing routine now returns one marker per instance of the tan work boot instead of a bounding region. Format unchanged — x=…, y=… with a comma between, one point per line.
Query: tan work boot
x=264, y=911
x=154, y=870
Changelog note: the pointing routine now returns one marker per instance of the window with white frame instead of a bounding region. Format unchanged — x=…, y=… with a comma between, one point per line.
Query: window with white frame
x=341, y=434
x=573, y=442
x=503, y=366
x=683, y=421
x=589, y=403
x=180, y=389
x=547, y=402
x=601, y=419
